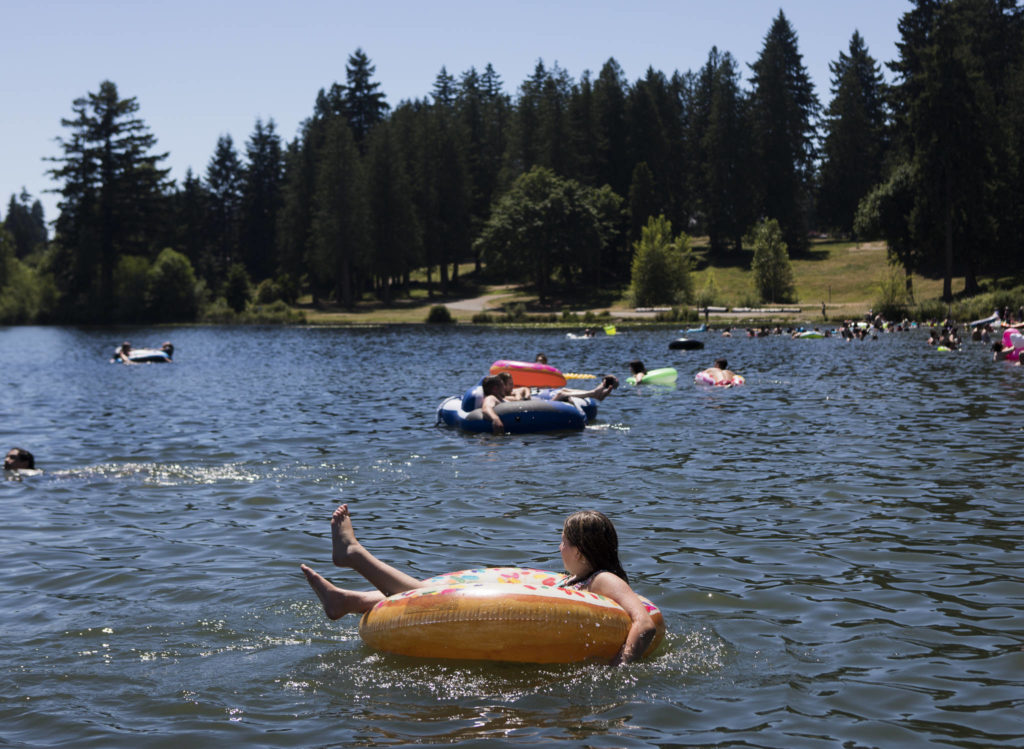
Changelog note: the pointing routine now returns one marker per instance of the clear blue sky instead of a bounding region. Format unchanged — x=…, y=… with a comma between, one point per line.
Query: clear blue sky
x=201, y=69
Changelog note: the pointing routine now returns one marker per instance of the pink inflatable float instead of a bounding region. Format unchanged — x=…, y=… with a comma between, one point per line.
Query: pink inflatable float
x=1013, y=339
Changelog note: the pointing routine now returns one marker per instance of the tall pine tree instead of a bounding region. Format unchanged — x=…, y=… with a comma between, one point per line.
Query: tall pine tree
x=337, y=252
x=24, y=220
x=722, y=150
x=224, y=183
x=113, y=195
x=854, y=146
x=261, y=200
x=364, y=104
x=784, y=111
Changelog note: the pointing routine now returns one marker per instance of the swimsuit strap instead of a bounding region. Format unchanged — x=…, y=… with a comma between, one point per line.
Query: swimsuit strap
x=579, y=584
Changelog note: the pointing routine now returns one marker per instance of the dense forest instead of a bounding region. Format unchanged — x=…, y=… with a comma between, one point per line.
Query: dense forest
x=556, y=186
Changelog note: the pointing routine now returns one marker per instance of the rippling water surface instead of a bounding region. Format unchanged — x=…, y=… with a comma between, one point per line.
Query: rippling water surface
x=837, y=546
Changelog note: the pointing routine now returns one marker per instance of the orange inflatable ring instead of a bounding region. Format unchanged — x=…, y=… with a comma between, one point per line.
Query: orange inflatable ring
x=530, y=374
x=501, y=614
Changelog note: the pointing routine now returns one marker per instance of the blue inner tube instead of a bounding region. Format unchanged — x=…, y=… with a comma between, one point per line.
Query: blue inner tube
x=518, y=417
x=148, y=356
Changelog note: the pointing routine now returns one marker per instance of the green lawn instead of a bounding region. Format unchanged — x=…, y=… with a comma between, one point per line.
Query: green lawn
x=844, y=275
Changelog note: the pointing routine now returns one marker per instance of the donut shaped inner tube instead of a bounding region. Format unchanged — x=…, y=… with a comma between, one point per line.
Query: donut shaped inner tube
x=687, y=344
x=502, y=614
x=703, y=378
x=1011, y=337
x=148, y=356
x=660, y=376
x=529, y=374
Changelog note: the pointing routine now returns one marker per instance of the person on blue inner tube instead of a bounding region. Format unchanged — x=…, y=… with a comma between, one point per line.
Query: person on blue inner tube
x=512, y=393
x=123, y=353
x=494, y=393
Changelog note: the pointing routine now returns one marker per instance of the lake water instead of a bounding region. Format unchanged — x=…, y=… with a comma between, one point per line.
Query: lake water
x=837, y=546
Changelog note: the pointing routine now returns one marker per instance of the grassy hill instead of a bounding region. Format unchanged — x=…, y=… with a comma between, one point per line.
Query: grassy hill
x=847, y=276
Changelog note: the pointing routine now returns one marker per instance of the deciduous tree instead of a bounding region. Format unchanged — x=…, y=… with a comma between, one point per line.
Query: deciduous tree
x=773, y=274
x=661, y=266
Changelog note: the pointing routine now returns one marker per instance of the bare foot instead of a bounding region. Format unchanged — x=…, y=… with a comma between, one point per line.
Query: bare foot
x=343, y=538
x=337, y=601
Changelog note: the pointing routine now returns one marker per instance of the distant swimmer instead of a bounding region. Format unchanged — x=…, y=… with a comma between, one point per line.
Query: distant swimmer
x=20, y=462
x=638, y=370
x=18, y=459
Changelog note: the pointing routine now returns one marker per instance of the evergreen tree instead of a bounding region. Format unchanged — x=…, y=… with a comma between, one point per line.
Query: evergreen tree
x=523, y=150
x=113, y=196
x=439, y=173
x=642, y=202
x=444, y=89
x=338, y=246
x=25, y=222
x=854, y=145
x=955, y=72
x=653, y=116
x=393, y=232
x=783, y=113
x=224, y=181
x=614, y=166
x=483, y=110
x=722, y=152
x=261, y=200
x=583, y=130
x=190, y=224
x=364, y=105
x=540, y=133
x=295, y=221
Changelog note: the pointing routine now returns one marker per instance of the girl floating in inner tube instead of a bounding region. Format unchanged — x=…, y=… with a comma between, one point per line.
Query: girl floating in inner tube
x=590, y=553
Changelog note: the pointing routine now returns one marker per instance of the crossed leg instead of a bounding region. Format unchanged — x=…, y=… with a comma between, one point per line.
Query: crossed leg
x=346, y=551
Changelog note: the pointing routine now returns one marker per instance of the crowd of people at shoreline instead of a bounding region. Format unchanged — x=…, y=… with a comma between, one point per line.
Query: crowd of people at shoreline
x=1002, y=332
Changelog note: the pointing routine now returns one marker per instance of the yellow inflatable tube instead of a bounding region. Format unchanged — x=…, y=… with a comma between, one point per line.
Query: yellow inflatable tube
x=501, y=614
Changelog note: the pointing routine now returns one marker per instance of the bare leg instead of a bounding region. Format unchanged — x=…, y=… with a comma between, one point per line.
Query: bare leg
x=598, y=393
x=338, y=601
x=348, y=552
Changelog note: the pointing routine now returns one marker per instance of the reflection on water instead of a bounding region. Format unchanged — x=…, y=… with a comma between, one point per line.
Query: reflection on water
x=836, y=546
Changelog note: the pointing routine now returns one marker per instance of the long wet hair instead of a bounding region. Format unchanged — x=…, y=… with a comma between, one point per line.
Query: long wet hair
x=594, y=535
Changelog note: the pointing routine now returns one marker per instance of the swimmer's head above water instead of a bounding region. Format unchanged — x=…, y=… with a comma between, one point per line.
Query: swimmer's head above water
x=18, y=459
